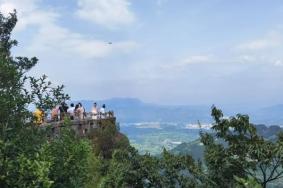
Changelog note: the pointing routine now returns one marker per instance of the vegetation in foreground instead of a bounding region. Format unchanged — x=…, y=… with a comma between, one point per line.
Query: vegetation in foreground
x=30, y=157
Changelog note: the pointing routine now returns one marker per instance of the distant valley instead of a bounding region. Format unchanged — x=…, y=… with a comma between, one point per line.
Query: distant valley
x=152, y=127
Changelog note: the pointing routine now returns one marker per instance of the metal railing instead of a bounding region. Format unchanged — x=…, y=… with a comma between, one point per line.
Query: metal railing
x=85, y=116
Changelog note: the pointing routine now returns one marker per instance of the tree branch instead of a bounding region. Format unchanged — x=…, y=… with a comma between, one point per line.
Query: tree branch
x=275, y=166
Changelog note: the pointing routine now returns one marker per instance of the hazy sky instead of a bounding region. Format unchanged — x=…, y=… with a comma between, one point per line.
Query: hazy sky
x=162, y=51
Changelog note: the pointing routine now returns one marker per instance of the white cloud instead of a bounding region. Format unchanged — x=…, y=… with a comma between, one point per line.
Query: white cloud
x=59, y=39
x=109, y=13
x=53, y=38
x=272, y=40
x=264, y=51
x=6, y=8
x=196, y=59
x=28, y=13
x=278, y=62
x=191, y=60
x=247, y=58
x=260, y=59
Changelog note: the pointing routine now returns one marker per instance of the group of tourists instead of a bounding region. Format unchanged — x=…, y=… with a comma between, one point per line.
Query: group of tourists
x=98, y=112
x=59, y=112
x=74, y=112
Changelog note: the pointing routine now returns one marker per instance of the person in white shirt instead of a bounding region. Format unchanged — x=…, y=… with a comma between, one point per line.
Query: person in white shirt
x=71, y=111
x=94, y=111
x=102, y=111
x=81, y=111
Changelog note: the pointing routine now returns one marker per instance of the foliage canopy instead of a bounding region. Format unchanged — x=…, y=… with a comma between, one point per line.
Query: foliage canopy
x=28, y=158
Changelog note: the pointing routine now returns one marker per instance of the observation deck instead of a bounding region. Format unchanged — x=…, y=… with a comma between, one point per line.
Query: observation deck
x=82, y=127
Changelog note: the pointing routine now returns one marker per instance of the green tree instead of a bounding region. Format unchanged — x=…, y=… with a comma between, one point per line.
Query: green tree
x=107, y=138
x=246, y=183
x=235, y=150
x=71, y=159
x=127, y=168
x=124, y=170
x=15, y=118
x=23, y=163
x=28, y=157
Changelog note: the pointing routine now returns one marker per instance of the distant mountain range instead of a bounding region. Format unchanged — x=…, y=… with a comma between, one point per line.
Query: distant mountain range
x=129, y=110
x=272, y=115
x=134, y=110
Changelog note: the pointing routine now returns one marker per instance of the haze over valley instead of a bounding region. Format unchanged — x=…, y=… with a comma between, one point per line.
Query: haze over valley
x=152, y=127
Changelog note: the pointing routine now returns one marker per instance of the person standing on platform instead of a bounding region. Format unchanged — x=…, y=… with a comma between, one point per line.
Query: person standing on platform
x=71, y=111
x=102, y=111
x=94, y=111
x=55, y=113
x=80, y=111
x=38, y=116
x=63, y=110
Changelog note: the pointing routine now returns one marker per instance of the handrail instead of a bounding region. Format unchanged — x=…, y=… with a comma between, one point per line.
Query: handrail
x=86, y=116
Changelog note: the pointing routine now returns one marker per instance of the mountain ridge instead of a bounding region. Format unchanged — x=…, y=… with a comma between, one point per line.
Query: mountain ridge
x=129, y=110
